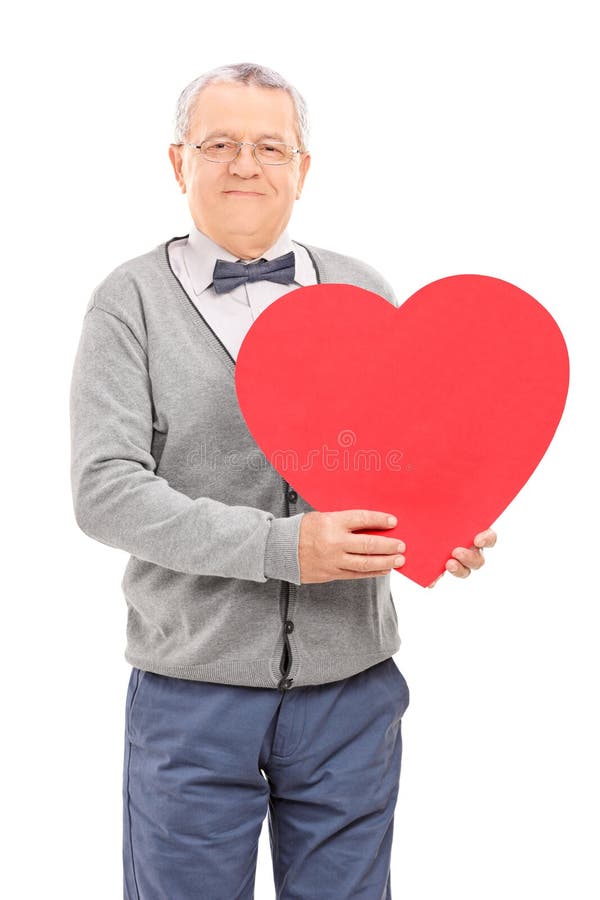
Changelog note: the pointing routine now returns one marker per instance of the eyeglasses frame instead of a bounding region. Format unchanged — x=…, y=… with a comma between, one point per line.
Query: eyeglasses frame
x=240, y=144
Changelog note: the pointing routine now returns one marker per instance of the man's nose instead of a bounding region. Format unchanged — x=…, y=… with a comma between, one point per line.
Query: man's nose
x=245, y=160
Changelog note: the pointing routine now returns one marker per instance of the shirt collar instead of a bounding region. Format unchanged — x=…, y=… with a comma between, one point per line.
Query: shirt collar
x=201, y=252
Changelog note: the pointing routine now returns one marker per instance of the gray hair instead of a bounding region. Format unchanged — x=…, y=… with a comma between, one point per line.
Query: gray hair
x=245, y=73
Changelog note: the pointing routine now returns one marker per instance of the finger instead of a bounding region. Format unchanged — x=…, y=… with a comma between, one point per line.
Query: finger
x=456, y=568
x=485, y=538
x=350, y=573
x=354, y=519
x=357, y=563
x=472, y=558
x=372, y=543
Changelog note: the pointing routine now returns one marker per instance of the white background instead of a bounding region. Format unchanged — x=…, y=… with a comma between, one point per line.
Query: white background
x=491, y=110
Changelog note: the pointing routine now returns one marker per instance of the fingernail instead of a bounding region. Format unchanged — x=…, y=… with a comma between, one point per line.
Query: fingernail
x=399, y=560
x=392, y=520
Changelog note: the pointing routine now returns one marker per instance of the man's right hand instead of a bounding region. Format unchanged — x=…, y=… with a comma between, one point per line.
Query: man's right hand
x=328, y=550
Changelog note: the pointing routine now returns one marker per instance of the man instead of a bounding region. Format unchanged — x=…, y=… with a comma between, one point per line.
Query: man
x=261, y=632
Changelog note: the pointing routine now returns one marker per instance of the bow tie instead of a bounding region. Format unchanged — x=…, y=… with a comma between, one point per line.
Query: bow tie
x=229, y=275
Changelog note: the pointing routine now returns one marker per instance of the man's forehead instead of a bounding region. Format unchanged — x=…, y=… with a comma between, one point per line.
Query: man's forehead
x=231, y=110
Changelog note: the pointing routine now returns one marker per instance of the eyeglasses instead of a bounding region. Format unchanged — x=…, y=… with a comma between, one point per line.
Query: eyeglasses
x=267, y=153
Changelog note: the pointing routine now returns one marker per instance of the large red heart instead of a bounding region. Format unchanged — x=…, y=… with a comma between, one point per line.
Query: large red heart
x=438, y=411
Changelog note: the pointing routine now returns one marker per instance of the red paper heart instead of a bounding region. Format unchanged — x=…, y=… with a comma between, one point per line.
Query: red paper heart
x=437, y=412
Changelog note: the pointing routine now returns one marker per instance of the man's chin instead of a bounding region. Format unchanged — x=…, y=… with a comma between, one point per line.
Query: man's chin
x=245, y=222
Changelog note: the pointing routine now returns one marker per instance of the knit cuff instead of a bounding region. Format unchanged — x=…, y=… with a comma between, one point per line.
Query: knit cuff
x=281, y=550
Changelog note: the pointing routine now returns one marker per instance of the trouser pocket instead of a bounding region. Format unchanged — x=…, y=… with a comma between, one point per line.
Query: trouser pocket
x=136, y=680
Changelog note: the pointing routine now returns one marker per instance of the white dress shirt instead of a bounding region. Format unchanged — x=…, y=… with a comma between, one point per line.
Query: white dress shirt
x=230, y=315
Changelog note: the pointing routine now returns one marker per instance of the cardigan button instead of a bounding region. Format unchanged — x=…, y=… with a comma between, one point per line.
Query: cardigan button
x=292, y=496
x=289, y=627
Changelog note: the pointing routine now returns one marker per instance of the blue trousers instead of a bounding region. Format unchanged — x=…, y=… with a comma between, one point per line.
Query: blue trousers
x=205, y=762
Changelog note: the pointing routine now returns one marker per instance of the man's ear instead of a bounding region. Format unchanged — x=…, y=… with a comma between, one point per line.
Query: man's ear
x=304, y=167
x=176, y=158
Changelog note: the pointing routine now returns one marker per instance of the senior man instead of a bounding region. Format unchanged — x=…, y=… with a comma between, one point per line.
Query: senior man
x=260, y=632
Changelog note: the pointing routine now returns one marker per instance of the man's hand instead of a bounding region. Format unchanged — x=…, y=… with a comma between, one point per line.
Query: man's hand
x=463, y=560
x=328, y=549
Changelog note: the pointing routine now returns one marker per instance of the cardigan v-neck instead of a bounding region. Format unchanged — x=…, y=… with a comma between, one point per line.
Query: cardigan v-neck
x=215, y=332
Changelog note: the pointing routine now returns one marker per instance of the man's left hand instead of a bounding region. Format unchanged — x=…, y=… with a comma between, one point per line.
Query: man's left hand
x=463, y=560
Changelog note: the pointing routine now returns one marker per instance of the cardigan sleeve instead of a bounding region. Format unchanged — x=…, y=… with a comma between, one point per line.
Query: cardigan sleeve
x=119, y=500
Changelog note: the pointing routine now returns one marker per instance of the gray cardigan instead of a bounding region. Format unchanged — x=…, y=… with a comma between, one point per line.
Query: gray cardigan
x=212, y=585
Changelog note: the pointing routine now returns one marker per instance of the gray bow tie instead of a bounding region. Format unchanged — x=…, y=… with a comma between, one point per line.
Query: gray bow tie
x=229, y=275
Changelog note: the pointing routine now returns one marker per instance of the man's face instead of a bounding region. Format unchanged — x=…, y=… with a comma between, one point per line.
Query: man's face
x=241, y=205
